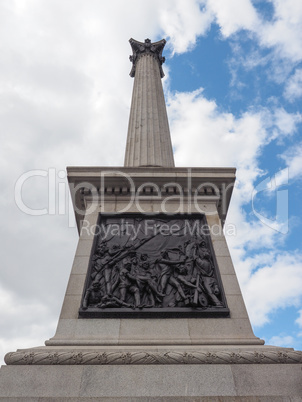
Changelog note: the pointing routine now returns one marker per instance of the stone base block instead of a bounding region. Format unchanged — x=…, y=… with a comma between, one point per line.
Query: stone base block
x=238, y=373
x=254, y=382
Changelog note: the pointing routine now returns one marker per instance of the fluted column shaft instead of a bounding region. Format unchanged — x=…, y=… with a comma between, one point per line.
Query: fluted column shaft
x=148, y=140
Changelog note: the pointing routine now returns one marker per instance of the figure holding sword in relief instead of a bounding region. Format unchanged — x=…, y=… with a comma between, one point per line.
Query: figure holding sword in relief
x=205, y=274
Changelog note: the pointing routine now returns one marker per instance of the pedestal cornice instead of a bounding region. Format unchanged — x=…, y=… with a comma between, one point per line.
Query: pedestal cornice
x=93, y=184
x=201, y=356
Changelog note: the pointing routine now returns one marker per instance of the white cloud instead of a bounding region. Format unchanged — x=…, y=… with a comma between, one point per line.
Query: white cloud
x=278, y=284
x=197, y=123
x=275, y=41
x=284, y=31
x=293, y=89
x=183, y=20
x=281, y=340
x=279, y=179
x=234, y=15
x=293, y=159
x=299, y=319
x=286, y=123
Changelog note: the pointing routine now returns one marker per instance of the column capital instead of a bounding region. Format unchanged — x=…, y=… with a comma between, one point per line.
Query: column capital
x=140, y=49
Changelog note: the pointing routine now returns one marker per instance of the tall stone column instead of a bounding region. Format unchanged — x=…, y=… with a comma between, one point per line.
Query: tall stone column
x=148, y=140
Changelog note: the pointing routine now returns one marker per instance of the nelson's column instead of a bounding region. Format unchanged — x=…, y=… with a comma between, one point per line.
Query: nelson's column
x=153, y=308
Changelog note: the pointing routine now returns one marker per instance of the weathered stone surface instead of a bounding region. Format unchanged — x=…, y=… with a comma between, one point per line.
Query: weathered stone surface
x=84, y=247
x=156, y=330
x=70, y=308
x=237, y=306
x=222, y=330
x=157, y=381
x=75, y=284
x=220, y=248
x=230, y=284
x=225, y=265
x=129, y=331
x=271, y=380
x=80, y=265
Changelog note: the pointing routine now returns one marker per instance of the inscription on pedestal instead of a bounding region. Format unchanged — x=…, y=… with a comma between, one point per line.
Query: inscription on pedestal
x=159, y=266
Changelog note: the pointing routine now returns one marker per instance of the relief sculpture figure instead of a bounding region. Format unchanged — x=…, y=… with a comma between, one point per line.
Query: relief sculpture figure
x=104, y=260
x=126, y=283
x=167, y=276
x=205, y=270
x=146, y=279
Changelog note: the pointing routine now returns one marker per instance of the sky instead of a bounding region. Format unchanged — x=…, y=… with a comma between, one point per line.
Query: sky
x=233, y=88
